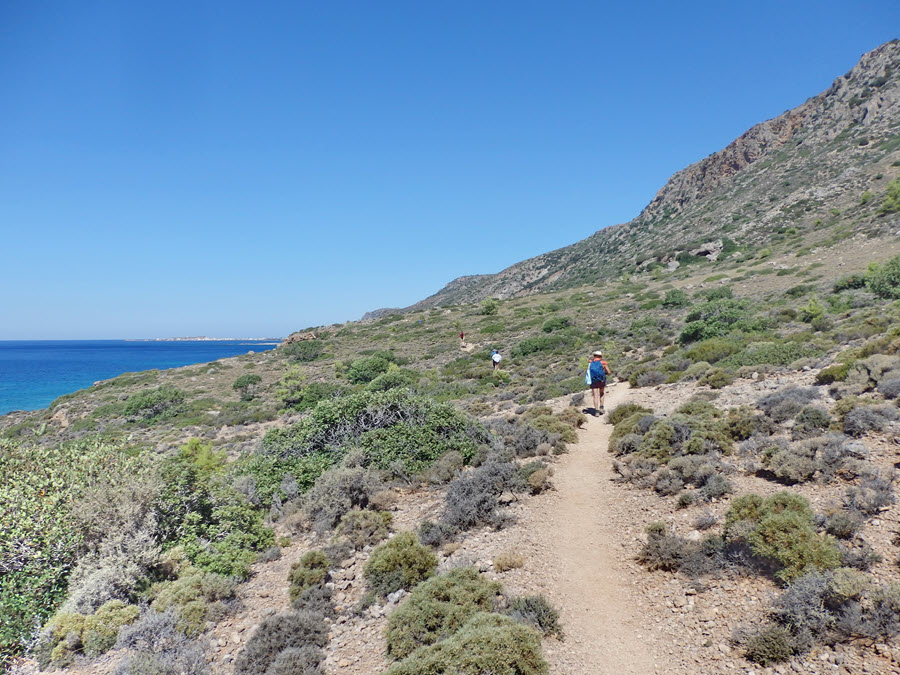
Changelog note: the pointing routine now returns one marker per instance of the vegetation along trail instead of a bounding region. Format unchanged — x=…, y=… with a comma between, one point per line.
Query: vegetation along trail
x=587, y=574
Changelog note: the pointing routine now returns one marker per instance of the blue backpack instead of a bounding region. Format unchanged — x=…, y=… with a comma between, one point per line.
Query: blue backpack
x=598, y=372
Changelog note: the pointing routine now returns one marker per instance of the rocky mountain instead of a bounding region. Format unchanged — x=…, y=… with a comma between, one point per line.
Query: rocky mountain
x=811, y=177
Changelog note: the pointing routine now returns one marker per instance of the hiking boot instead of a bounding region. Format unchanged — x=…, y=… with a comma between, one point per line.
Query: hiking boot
x=601, y=411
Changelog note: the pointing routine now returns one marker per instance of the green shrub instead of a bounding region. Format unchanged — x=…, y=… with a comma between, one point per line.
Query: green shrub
x=247, y=385
x=884, y=280
x=718, y=318
x=489, y=306
x=836, y=373
x=486, y=643
x=437, y=608
x=542, y=343
x=849, y=282
x=311, y=570
x=303, y=351
x=365, y=369
x=295, y=394
x=554, y=425
x=716, y=378
x=770, y=644
x=160, y=403
x=626, y=410
x=393, y=378
x=781, y=529
x=556, y=323
x=675, y=297
x=712, y=350
x=400, y=562
x=891, y=201
x=40, y=538
x=197, y=509
x=67, y=634
x=771, y=353
x=391, y=426
x=190, y=596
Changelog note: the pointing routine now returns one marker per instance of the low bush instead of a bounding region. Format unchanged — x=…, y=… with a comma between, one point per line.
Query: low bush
x=303, y=351
x=392, y=427
x=770, y=644
x=542, y=343
x=884, y=280
x=68, y=634
x=650, y=378
x=400, y=562
x=279, y=633
x=716, y=378
x=394, y=378
x=504, y=562
x=712, y=350
x=873, y=493
x=868, y=418
x=536, y=611
x=809, y=420
x=437, y=608
x=473, y=499
x=626, y=410
x=193, y=596
x=675, y=297
x=831, y=374
x=160, y=403
x=247, y=385
x=337, y=492
x=786, y=403
x=486, y=643
x=363, y=527
x=556, y=323
x=781, y=529
x=156, y=646
x=522, y=439
x=311, y=570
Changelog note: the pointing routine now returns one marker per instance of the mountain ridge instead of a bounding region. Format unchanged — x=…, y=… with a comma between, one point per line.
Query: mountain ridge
x=821, y=155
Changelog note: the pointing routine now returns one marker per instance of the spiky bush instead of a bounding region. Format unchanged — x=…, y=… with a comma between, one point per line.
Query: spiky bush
x=781, y=530
x=337, y=492
x=364, y=527
x=536, y=611
x=486, y=643
x=400, y=562
x=311, y=570
x=437, y=608
x=156, y=646
x=288, y=630
x=473, y=499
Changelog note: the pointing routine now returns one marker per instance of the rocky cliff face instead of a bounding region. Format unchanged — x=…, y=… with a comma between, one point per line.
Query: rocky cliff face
x=797, y=179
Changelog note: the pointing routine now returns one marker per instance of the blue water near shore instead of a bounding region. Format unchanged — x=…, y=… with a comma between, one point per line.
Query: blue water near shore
x=34, y=373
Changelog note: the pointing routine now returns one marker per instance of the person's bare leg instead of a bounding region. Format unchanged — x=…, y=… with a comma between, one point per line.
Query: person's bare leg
x=596, y=395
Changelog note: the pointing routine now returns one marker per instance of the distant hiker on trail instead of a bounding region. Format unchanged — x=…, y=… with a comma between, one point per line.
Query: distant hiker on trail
x=496, y=358
x=595, y=377
x=462, y=336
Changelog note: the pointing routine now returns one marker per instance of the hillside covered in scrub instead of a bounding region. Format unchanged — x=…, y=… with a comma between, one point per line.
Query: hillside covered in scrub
x=812, y=177
x=374, y=497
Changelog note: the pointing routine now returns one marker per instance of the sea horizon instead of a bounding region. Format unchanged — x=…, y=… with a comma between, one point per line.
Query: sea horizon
x=33, y=373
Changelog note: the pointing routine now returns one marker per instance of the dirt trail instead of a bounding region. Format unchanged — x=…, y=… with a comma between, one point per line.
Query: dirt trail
x=586, y=571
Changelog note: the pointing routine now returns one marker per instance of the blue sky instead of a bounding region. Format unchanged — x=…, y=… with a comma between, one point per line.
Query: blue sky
x=239, y=169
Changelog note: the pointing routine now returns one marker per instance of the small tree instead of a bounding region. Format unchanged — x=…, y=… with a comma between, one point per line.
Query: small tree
x=892, y=198
x=247, y=386
x=884, y=280
x=490, y=306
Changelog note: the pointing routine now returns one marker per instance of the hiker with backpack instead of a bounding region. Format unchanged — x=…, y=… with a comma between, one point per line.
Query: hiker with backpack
x=595, y=377
x=495, y=359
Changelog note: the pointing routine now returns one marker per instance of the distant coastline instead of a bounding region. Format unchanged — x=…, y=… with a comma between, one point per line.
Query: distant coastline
x=204, y=338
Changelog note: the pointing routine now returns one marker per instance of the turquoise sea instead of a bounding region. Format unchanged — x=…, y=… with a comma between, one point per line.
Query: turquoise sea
x=35, y=372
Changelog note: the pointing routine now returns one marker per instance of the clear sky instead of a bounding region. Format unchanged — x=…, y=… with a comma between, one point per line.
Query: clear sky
x=248, y=169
